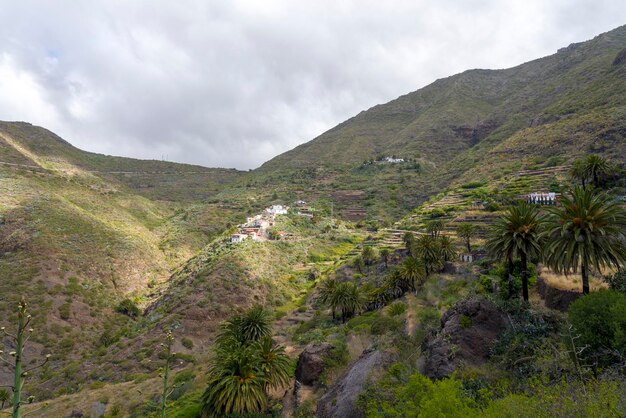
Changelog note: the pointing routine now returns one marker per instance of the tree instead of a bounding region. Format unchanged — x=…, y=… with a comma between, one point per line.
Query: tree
x=426, y=248
x=409, y=239
x=435, y=227
x=467, y=231
x=273, y=363
x=19, y=340
x=369, y=255
x=596, y=169
x=587, y=230
x=246, y=363
x=358, y=263
x=412, y=274
x=517, y=234
x=579, y=171
x=326, y=294
x=446, y=248
x=349, y=299
x=384, y=255
x=252, y=325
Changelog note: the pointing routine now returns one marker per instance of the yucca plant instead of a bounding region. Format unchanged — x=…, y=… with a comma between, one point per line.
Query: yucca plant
x=587, y=230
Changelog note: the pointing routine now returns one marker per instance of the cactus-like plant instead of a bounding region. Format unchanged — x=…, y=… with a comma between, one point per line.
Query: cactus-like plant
x=20, y=339
x=169, y=340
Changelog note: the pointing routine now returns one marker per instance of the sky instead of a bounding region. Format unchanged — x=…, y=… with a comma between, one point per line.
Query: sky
x=234, y=83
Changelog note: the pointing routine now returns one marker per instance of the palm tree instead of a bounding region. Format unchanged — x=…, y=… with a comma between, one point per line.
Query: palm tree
x=409, y=239
x=384, y=255
x=446, y=248
x=467, y=231
x=327, y=293
x=596, y=168
x=434, y=227
x=349, y=299
x=369, y=255
x=250, y=326
x=579, y=171
x=412, y=273
x=273, y=363
x=587, y=230
x=242, y=370
x=517, y=234
x=427, y=249
x=235, y=383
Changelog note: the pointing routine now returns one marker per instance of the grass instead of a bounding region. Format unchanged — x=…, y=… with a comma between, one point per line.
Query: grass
x=572, y=282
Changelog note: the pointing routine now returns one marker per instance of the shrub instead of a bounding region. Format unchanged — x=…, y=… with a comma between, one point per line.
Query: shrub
x=465, y=321
x=187, y=343
x=396, y=309
x=617, y=281
x=600, y=320
x=64, y=311
x=129, y=308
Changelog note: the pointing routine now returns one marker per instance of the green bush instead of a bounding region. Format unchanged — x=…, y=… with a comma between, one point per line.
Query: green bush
x=617, y=281
x=600, y=320
x=129, y=308
x=397, y=308
x=187, y=343
x=65, y=311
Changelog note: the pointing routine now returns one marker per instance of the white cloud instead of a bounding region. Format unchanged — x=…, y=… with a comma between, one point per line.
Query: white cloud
x=233, y=83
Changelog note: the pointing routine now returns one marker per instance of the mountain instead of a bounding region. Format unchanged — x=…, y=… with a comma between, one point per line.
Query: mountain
x=81, y=232
x=476, y=123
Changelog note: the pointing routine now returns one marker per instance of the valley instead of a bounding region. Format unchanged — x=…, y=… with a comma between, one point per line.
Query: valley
x=382, y=291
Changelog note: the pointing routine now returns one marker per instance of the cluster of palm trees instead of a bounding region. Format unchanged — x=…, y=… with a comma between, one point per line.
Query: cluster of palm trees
x=587, y=230
x=246, y=364
x=347, y=298
x=427, y=254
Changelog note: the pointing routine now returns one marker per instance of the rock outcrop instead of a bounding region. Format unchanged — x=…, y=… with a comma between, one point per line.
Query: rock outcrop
x=467, y=331
x=340, y=400
x=311, y=363
x=555, y=298
x=620, y=58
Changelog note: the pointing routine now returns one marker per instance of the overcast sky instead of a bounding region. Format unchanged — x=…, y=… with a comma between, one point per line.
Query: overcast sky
x=234, y=83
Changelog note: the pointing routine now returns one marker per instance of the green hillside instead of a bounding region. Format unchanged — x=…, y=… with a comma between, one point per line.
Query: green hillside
x=111, y=251
x=478, y=123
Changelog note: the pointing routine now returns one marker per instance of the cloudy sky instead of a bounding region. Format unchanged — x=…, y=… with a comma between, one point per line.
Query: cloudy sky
x=233, y=83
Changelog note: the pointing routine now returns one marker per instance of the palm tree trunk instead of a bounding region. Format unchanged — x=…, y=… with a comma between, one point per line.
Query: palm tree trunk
x=511, y=269
x=585, y=276
x=469, y=247
x=524, y=277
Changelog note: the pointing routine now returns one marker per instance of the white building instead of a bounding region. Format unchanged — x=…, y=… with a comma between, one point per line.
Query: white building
x=277, y=210
x=238, y=238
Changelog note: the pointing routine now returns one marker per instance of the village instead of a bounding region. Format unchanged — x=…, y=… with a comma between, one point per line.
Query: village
x=257, y=228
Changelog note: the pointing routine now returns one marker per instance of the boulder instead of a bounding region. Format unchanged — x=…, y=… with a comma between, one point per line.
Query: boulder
x=340, y=400
x=467, y=331
x=311, y=363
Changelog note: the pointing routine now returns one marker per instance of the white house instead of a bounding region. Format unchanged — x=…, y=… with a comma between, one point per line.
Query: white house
x=393, y=160
x=277, y=210
x=238, y=238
